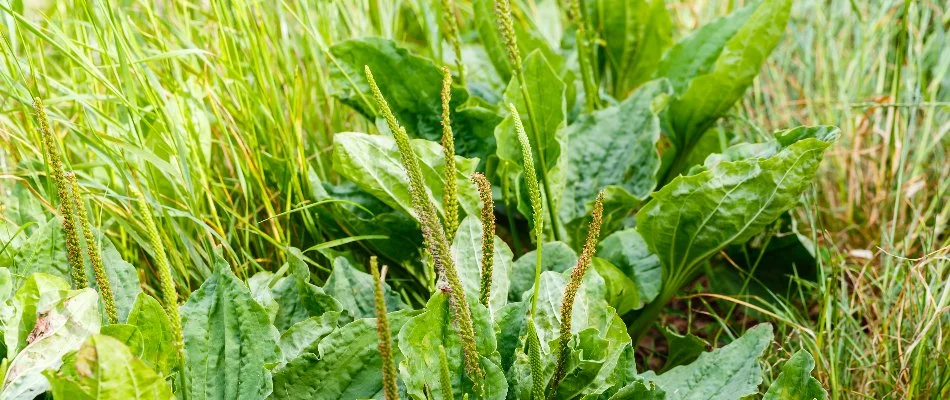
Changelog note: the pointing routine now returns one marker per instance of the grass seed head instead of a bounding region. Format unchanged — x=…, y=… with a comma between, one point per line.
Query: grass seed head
x=55, y=162
x=92, y=250
x=450, y=192
x=570, y=292
x=434, y=237
x=390, y=390
x=507, y=29
x=488, y=236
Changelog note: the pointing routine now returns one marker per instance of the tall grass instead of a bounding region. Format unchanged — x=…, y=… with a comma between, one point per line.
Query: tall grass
x=880, y=322
x=222, y=112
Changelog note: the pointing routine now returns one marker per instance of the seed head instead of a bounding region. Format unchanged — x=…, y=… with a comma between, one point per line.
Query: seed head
x=55, y=162
x=507, y=29
x=434, y=237
x=450, y=192
x=530, y=175
x=445, y=378
x=390, y=389
x=452, y=34
x=488, y=235
x=166, y=281
x=534, y=360
x=570, y=292
x=92, y=250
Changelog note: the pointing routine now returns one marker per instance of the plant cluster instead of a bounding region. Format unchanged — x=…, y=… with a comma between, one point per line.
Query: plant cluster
x=600, y=159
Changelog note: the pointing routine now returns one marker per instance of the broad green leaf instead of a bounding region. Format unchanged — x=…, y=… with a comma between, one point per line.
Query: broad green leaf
x=7, y=310
x=44, y=251
x=467, y=251
x=595, y=352
x=635, y=35
x=229, y=340
x=546, y=95
x=345, y=365
x=683, y=349
x=590, y=311
x=297, y=298
x=354, y=290
x=556, y=256
x=150, y=318
x=727, y=373
x=306, y=334
x=727, y=201
x=795, y=382
x=104, y=368
x=627, y=251
x=129, y=335
x=6, y=284
x=373, y=163
x=260, y=286
x=412, y=86
x=60, y=329
x=363, y=214
x=615, y=146
x=712, y=68
x=419, y=342
x=622, y=293
x=639, y=391
x=39, y=292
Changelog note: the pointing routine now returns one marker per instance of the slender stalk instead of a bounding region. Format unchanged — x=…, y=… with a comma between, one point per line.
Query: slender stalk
x=506, y=27
x=534, y=344
x=390, y=390
x=452, y=35
x=55, y=162
x=570, y=292
x=450, y=192
x=488, y=236
x=535, y=194
x=435, y=240
x=591, y=97
x=92, y=250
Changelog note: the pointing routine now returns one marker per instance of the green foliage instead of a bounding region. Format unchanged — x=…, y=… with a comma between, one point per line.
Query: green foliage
x=493, y=319
x=795, y=381
x=730, y=372
x=104, y=368
x=149, y=317
x=219, y=316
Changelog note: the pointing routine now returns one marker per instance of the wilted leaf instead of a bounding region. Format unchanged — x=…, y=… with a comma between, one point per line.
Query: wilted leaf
x=58, y=330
